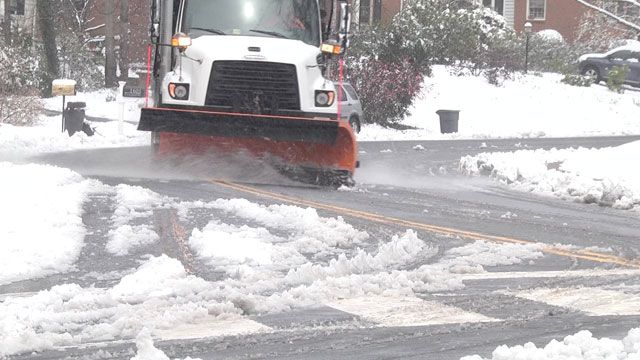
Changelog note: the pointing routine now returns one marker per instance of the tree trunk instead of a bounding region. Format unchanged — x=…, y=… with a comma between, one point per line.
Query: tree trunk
x=124, y=39
x=6, y=27
x=48, y=32
x=110, y=76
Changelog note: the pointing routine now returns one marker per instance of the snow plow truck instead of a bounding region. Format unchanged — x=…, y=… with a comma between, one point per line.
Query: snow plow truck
x=250, y=76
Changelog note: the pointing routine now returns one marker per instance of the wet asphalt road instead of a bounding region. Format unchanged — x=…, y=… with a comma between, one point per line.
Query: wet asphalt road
x=420, y=187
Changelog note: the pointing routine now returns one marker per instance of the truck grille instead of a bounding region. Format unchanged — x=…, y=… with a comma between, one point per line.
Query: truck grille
x=253, y=86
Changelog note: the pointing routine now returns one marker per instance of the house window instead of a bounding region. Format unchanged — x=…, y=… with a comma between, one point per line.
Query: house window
x=16, y=7
x=536, y=9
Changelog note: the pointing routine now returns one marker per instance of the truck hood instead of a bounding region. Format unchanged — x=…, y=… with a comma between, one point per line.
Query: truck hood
x=230, y=47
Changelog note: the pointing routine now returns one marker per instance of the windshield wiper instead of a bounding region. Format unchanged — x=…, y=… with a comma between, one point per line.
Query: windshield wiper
x=272, y=33
x=212, y=31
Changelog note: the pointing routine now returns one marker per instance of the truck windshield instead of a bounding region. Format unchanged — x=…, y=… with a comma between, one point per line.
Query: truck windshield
x=291, y=19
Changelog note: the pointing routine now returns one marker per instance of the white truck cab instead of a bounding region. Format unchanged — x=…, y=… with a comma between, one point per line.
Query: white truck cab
x=255, y=56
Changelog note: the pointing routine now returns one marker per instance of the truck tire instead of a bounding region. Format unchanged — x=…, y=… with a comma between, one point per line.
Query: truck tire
x=354, y=121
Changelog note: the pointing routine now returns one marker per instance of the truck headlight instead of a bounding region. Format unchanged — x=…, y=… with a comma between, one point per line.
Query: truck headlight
x=179, y=91
x=324, y=98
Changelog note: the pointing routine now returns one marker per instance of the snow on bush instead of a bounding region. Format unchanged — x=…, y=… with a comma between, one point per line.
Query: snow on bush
x=19, y=68
x=386, y=89
x=19, y=110
x=385, y=64
x=442, y=32
x=19, y=80
x=601, y=176
x=581, y=346
x=550, y=35
x=78, y=62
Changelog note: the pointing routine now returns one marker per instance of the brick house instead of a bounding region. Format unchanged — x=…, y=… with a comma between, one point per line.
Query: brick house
x=563, y=16
x=560, y=15
x=368, y=12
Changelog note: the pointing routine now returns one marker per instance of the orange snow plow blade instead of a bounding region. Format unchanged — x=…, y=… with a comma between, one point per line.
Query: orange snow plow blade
x=319, y=149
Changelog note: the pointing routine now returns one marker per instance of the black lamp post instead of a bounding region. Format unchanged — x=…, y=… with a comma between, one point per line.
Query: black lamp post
x=527, y=33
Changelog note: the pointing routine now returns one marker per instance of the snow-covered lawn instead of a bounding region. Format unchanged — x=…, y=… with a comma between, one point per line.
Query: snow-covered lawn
x=607, y=176
x=581, y=346
x=527, y=106
x=46, y=136
x=103, y=103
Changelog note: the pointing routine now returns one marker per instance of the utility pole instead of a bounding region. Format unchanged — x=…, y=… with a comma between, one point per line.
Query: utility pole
x=110, y=76
x=124, y=39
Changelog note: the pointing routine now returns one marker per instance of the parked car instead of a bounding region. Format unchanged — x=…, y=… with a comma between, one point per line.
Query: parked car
x=350, y=107
x=597, y=66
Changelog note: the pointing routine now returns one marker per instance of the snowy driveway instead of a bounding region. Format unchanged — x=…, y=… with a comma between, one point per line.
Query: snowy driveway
x=416, y=262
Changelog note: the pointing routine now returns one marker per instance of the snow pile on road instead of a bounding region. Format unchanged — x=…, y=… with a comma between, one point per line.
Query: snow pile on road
x=147, y=350
x=314, y=234
x=447, y=274
x=159, y=295
x=603, y=176
x=534, y=105
x=133, y=202
x=224, y=245
x=581, y=346
x=127, y=237
x=279, y=274
x=41, y=229
x=271, y=269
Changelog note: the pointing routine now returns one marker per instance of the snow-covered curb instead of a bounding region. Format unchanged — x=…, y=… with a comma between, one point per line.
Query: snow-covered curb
x=607, y=176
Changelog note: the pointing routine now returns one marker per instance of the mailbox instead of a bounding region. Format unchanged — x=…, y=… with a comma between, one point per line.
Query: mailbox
x=64, y=87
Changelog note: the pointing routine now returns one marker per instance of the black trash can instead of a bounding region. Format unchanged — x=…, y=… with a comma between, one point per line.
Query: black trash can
x=74, y=117
x=448, y=121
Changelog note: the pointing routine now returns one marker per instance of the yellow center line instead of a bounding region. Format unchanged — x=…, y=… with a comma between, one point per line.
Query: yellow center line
x=470, y=235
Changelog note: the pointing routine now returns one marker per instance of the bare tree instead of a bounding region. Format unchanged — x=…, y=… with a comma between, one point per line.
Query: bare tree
x=110, y=76
x=79, y=10
x=623, y=12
